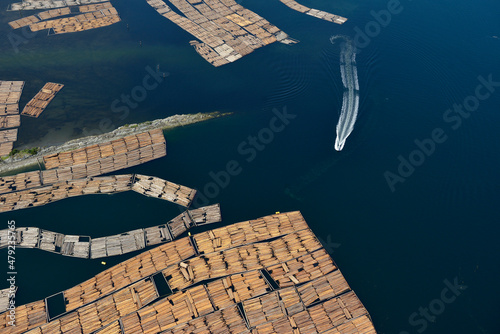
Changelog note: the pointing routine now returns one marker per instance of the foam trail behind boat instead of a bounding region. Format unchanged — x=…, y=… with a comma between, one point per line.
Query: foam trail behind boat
x=350, y=103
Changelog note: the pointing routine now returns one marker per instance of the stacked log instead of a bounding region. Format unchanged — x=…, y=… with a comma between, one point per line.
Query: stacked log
x=27, y=317
x=42, y=99
x=302, y=269
x=220, y=292
x=34, y=196
x=226, y=30
x=156, y=187
x=110, y=156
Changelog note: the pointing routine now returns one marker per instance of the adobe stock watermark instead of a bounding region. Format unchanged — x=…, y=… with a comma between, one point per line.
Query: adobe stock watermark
x=11, y=272
x=452, y=117
x=22, y=38
x=247, y=150
x=381, y=19
x=122, y=106
x=420, y=319
x=328, y=244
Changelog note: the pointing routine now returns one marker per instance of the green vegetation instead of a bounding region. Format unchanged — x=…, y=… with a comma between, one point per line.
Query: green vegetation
x=13, y=152
x=32, y=151
x=28, y=151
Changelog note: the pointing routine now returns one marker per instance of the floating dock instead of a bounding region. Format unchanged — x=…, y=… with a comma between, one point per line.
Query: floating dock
x=226, y=31
x=94, y=248
x=263, y=276
x=42, y=99
x=314, y=12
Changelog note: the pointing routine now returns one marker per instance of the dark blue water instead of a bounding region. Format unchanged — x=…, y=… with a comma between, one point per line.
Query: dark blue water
x=396, y=248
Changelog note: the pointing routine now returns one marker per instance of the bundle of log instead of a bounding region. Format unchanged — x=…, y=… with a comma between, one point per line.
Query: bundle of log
x=111, y=156
x=156, y=187
x=28, y=316
x=46, y=4
x=10, y=92
x=87, y=247
x=237, y=289
x=226, y=31
x=42, y=99
x=314, y=12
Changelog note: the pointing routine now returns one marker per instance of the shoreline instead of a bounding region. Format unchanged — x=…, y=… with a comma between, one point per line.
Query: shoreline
x=27, y=161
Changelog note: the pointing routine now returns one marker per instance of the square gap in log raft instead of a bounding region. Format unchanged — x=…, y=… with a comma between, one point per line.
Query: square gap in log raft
x=56, y=306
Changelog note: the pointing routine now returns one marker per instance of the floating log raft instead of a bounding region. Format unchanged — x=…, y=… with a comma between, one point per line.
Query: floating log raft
x=236, y=288
x=23, y=22
x=197, y=217
x=28, y=316
x=9, y=109
x=111, y=156
x=93, y=16
x=206, y=215
x=118, y=244
x=10, y=121
x=95, y=7
x=53, y=13
x=155, y=187
x=69, y=245
x=4, y=299
x=292, y=272
x=98, y=314
x=362, y=324
x=38, y=188
x=127, y=272
x=86, y=247
x=6, y=148
x=10, y=91
x=43, y=195
x=314, y=12
x=246, y=257
x=20, y=181
x=87, y=21
x=50, y=14
x=42, y=99
x=8, y=136
x=47, y=4
x=7, y=139
x=226, y=31
x=124, y=299
x=248, y=232
x=180, y=224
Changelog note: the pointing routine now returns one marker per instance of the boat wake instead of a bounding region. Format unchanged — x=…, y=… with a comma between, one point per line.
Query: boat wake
x=350, y=103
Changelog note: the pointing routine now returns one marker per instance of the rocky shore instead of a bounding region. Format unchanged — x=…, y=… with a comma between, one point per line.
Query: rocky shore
x=26, y=160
